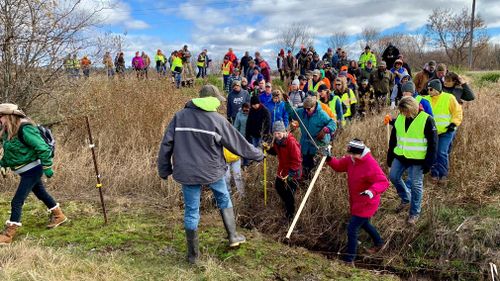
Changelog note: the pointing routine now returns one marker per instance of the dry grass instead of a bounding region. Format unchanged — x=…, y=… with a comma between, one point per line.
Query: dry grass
x=128, y=119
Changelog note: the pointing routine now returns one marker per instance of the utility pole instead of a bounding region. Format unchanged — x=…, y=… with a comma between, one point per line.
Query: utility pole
x=471, y=33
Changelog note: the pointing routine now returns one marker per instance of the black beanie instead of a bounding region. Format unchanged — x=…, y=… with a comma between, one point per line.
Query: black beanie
x=254, y=100
x=435, y=84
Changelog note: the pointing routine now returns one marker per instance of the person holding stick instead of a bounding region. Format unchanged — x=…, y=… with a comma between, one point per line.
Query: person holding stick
x=192, y=152
x=366, y=182
x=289, y=171
x=29, y=156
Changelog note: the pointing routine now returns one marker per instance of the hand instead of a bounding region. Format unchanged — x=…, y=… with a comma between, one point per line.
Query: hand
x=326, y=151
x=393, y=105
x=451, y=128
x=266, y=146
x=294, y=125
x=387, y=119
x=367, y=193
x=48, y=172
x=285, y=97
x=3, y=171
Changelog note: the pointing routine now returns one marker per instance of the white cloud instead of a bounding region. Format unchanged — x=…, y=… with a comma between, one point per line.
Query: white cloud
x=136, y=24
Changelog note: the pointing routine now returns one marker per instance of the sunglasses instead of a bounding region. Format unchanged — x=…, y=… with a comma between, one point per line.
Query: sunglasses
x=246, y=110
x=338, y=84
x=308, y=108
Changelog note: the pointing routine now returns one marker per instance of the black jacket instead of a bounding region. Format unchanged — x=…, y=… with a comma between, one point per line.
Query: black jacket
x=258, y=122
x=430, y=133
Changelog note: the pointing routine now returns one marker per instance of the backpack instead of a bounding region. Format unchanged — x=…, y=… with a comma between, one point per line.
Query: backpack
x=46, y=134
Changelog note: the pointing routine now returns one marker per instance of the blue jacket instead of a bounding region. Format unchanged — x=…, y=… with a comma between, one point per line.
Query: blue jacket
x=278, y=112
x=266, y=100
x=240, y=122
x=314, y=124
x=426, y=105
x=234, y=102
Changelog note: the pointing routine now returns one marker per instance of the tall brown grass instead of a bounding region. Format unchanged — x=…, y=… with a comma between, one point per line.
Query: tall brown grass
x=128, y=118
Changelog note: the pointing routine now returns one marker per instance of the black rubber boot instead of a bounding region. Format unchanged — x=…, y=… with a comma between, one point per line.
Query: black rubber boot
x=235, y=239
x=193, y=251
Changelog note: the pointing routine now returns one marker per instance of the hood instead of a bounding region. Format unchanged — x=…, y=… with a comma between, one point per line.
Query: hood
x=207, y=104
x=363, y=155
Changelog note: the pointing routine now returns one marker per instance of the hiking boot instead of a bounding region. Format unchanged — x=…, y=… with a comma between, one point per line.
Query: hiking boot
x=56, y=217
x=403, y=207
x=235, y=239
x=9, y=232
x=193, y=251
x=373, y=250
x=412, y=220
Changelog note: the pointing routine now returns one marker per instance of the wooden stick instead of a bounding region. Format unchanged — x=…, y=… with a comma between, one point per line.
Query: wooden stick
x=303, y=203
x=265, y=178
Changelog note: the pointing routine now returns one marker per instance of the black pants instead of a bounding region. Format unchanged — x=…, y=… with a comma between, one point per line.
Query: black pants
x=286, y=190
x=201, y=72
x=31, y=180
x=308, y=164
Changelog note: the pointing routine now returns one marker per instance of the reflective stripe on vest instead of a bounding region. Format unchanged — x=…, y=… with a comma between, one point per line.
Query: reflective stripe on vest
x=315, y=88
x=226, y=68
x=412, y=144
x=348, y=99
x=441, y=110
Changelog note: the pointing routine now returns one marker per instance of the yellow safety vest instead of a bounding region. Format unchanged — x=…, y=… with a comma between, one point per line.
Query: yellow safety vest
x=332, y=105
x=226, y=68
x=348, y=99
x=201, y=61
x=176, y=62
x=364, y=58
x=315, y=88
x=412, y=144
x=441, y=110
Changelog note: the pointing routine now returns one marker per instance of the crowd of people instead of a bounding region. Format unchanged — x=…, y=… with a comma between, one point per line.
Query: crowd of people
x=321, y=96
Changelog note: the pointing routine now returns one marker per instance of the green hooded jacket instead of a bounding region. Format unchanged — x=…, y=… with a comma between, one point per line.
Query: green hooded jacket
x=16, y=154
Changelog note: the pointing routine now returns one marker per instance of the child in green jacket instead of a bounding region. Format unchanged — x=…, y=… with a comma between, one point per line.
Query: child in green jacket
x=30, y=159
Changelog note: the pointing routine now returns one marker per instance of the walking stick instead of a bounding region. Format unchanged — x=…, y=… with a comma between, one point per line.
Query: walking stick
x=388, y=129
x=309, y=189
x=97, y=175
x=265, y=177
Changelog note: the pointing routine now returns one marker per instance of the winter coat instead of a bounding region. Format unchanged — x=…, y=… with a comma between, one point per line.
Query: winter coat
x=463, y=93
x=16, y=154
x=234, y=102
x=314, y=123
x=138, y=63
x=290, y=64
x=266, y=99
x=421, y=79
x=289, y=157
x=382, y=82
x=240, y=122
x=390, y=55
x=362, y=174
x=258, y=122
x=278, y=112
x=191, y=149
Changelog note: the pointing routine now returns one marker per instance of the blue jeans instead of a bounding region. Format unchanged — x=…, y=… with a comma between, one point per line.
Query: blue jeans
x=226, y=78
x=441, y=166
x=256, y=142
x=192, y=194
x=31, y=180
x=412, y=190
x=355, y=223
x=178, y=77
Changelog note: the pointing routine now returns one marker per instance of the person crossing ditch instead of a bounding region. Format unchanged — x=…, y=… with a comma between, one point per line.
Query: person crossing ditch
x=192, y=153
x=27, y=154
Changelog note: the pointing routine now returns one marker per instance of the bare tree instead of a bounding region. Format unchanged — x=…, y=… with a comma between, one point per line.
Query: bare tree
x=109, y=42
x=338, y=39
x=294, y=35
x=34, y=35
x=369, y=36
x=451, y=30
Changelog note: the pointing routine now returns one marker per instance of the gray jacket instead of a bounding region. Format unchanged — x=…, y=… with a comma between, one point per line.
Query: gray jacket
x=191, y=149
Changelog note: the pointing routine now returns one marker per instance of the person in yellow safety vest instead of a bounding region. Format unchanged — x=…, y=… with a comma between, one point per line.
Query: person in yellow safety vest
x=412, y=148
x=76, y=66
x=233, y=163
x=366, y=56
x=315, y=82
x=333, y=102
x=227, y=69
x=448, y=116
x=176, y=68
x=347, y=97
x=202, y=65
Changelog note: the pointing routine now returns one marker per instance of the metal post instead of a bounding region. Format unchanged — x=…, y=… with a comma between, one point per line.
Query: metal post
x=471, y=33
x=97, y=175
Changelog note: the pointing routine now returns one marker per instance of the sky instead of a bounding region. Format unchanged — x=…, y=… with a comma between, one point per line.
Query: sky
x=251, y=25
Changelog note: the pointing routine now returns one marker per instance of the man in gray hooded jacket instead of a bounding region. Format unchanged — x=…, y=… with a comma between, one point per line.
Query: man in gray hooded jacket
x=192, y=152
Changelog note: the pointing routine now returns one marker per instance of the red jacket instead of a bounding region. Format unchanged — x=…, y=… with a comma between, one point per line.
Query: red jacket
x=289, y=156
x=362, y=174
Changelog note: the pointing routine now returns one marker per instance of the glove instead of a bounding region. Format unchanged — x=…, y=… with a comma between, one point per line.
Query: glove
x=322, y=133
x=387, y=119
x=266, y=146
x=48, y=172
x=367, y=193
x=393, y=105
x=451, y=128
x=326, y=151
x=3, y=171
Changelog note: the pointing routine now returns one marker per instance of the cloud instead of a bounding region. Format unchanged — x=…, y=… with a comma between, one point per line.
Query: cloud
x=136, y=24
x=115, y=13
